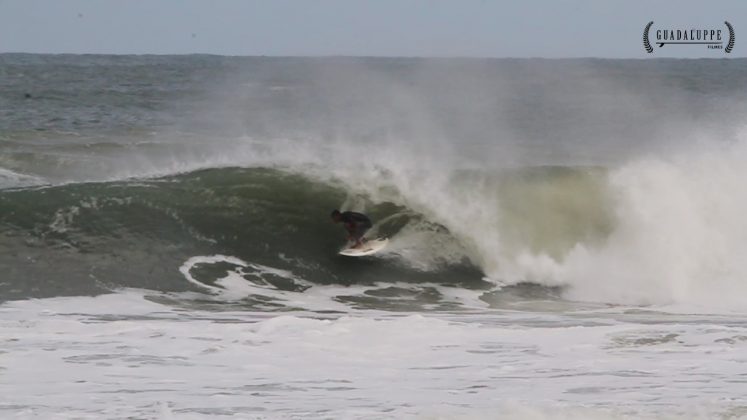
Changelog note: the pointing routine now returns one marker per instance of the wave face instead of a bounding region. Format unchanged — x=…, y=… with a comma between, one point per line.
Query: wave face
x=137, y=233
x=594, y=180
x=83, y=238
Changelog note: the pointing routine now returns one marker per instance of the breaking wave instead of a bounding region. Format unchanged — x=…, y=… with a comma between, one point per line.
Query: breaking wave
x=650, y=232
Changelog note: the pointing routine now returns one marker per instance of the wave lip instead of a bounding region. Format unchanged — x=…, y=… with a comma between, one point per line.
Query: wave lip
x=10, y=179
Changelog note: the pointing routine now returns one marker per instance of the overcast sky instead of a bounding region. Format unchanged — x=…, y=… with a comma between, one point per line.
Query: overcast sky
x=475, y=28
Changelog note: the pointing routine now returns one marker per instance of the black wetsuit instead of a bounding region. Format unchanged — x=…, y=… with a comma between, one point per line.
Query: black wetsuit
x=355, y=223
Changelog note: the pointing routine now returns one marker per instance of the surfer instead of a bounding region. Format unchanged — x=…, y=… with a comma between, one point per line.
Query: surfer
x=355, y=223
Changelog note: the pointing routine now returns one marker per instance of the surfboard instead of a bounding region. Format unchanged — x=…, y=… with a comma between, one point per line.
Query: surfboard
x=369, y=247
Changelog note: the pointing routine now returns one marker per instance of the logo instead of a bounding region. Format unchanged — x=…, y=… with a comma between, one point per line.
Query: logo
x=713, y=39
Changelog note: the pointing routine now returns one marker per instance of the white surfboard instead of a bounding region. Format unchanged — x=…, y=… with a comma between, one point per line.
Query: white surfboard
x=367, y=248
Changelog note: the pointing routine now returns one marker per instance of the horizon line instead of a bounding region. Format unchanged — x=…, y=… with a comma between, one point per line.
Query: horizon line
x=328, y=56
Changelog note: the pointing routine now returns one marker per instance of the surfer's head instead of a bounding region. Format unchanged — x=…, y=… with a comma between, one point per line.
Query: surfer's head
x=336, y=215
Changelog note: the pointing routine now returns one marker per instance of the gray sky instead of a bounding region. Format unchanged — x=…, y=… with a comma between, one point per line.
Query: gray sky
x=475, y=28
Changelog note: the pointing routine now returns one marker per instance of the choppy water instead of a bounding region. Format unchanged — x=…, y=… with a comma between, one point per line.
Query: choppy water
x=567, y=238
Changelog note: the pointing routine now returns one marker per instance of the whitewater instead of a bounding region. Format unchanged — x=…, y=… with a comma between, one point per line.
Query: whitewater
x=566, y=238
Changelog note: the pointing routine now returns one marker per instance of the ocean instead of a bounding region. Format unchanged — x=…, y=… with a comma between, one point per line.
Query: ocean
x=567, y=238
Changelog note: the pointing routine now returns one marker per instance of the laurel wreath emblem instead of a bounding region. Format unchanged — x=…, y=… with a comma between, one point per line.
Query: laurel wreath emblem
x=730, y=45
x=646, y=43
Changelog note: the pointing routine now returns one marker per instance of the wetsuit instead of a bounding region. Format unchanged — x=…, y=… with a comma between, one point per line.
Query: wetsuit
x=356, y=224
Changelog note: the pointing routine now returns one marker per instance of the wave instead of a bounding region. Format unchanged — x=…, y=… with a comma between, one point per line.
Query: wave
x=678, y=237
x=485, y=174
x=653, y=231
x=90, y=237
